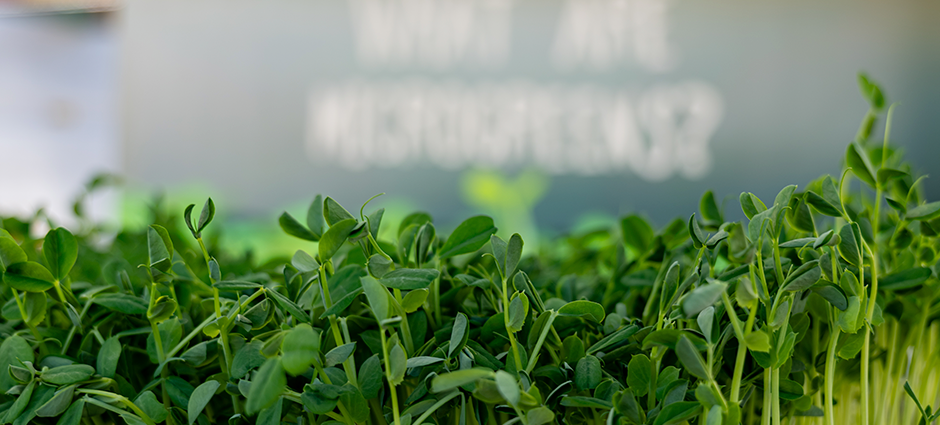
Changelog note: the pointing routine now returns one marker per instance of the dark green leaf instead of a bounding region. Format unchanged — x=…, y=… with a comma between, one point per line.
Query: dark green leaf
x=13, y=350
x=691, y=358
x=334, y=213
x=205, y=217
x=804, y=277
x=67, y=375
x=377, y=296
x=108, y=357
x=905, y=279
x=200, y=398
x=585, y=309
x=160, y=248
x=266, y=386
x=315, y=220
x=458, y=334
x=370, y=376
x=29, y=276
x=60, y=250
x=702, y=297
x=587, y=373
x=300, y=348
x=448, y=381
x=508, y=387
x=292, y=227
x=857, y=159
x=408, y=279
x=73, y=415
x=639, y=374
x=677, y=413
x=924, y=212
x=334, y=238
x=468, y=237
x=123, y=303
x=58, y=403
x=339, y=354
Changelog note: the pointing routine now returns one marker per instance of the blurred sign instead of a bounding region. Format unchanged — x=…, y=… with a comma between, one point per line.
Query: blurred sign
x=572, y=128
x=624, y=104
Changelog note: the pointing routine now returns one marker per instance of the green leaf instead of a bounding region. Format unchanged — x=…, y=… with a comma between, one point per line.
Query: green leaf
x=339, y=354
x=587, y=373
x=67, y=375
x=320, y=398
x=235, y=285
x=370, y=376
x=448, y=381
x=334, y=238
x=272, y=414
x=35, y=303
x=315, y=221
x=639, y=374
x=60, y=250
x=10, y=253
x=849, y=245
x=702, y=297
x=73, y=415
x=518, y=311
x=804, y=277
x=677, y=413
x=758, y=341
x=200, y=398
x=637, y=234
x=303, y=262
x=751, y=205
x=832, y=293
x=698, y=236
x=205, y=217
x=886, y=175
x=398, y=361
x=458, y=334
x=414, y=300
x=292, y=227
x=848, y=319
x=286, y=304
x=355, y=403
x=159, y=248
x=540, y=416
x=334, y=213
x=22, y=400
x=123, y=303
x=468, y=237
x=162, y=309
x=850, y=345
x=13, y=350
x=691, y=358
x=589, y=402
x=247, y=358
x=266, y=386
x=29, y=276
x=379, y=266
x=628, y=407
x=904, y=279
x=58, y=403
x=408, y=279
x=924, y=212
x=377, y=296
x=299, y=348
x=343, y=303
x=585, y=309
x=857, y=159
x=513, y=254
x=709, y=208
x=108, y=357
x=822, y=205
x=508, y=387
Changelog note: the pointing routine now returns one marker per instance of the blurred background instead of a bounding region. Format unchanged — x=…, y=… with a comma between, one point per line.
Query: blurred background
x=547, y=114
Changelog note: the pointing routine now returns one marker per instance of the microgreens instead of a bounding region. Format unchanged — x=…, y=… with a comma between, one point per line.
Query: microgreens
x=821, y=303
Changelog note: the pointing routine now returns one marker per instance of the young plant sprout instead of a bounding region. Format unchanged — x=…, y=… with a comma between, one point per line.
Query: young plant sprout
x=819, y=307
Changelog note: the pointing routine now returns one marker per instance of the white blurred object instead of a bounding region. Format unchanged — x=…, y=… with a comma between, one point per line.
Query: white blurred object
x=58, y=117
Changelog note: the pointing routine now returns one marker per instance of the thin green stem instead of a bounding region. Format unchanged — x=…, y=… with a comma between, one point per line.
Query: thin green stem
x=831, y=371
x=388, y=376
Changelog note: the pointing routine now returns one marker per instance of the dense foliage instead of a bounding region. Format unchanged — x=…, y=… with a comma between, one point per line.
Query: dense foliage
x=819, y=307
